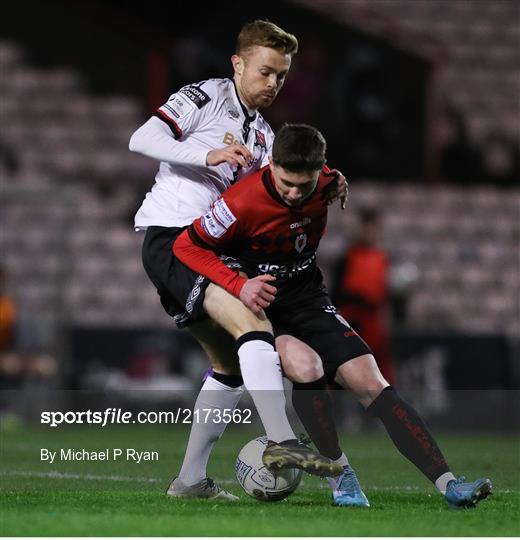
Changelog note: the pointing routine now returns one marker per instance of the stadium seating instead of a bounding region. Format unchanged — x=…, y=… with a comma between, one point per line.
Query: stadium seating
x=73, y=255
x=475, y=45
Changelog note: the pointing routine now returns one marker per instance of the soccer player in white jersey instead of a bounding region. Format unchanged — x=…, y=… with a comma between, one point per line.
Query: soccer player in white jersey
x=207, y=136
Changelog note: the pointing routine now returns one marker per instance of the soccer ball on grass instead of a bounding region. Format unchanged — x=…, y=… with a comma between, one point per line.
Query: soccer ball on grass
x=257, y=480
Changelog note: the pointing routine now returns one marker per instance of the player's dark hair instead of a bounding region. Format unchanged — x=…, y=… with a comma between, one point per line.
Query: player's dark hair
x=299, y=148
x=266, y=34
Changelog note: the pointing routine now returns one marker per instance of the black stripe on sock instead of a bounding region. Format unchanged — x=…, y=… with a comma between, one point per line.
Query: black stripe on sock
x=233, y=381
x=255, y=336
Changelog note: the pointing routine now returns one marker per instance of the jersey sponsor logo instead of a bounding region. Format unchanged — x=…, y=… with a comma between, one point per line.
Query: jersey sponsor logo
x=300, y=242
x=223, y=214
x=229, y=138
x=302, y=223
x=195, y=94
x=260, y=139
x=179, y=106
x=285, y=270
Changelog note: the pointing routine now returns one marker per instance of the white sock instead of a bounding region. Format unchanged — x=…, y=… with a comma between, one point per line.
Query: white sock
x=342, y=460
x=262, y=374
x=203, y=435
x=443, y=480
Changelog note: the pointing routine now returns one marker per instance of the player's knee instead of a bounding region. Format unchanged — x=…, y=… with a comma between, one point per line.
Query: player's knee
x=308, y=373
x=300, y=363
x=309, y=367
x=371, y=390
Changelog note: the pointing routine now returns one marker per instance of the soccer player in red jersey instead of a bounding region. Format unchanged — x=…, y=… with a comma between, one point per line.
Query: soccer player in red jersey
x=275, y=246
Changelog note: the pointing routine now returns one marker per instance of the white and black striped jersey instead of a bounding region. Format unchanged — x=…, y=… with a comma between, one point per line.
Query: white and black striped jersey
x=200, y=117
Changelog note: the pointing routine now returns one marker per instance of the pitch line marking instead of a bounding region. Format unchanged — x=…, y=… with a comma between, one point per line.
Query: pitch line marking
x=74, y=476
x=150, y=480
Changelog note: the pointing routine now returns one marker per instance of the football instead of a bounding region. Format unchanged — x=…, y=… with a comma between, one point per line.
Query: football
x=257, y=480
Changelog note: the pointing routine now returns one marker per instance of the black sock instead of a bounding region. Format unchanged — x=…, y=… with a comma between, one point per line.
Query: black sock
x=409, y=433
x=234, y=381
x=314, y=407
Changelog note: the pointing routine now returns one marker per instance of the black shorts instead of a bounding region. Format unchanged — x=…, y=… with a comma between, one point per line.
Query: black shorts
x=308, y=316
x=180, y=289
x=322, y=328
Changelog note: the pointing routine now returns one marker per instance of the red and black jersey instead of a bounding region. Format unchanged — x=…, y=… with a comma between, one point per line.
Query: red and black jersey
x=251, y=223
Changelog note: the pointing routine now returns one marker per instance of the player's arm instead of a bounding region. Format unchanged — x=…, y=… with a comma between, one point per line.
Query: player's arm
x=165, y=136
x=156, y=140
x=197, y=248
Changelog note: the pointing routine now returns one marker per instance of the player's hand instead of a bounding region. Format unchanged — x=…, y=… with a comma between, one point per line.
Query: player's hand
x=257, y=294
x=336, y=191
x=237, y=155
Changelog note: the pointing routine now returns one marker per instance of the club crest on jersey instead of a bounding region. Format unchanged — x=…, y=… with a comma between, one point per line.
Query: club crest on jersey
x=300, y=242
x=260, y=139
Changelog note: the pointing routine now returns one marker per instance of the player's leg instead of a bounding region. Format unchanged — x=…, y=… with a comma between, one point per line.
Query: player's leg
x=221, y=390
x=183, y=295
x=259, y=362
x=408, y=431
x=313, y=404
x=311, y=401
x=321, y=347
x=348, y=358
x=175, y=283
x=261, y=372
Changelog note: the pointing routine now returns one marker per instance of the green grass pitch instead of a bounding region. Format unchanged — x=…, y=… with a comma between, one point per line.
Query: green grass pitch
x=127, y=499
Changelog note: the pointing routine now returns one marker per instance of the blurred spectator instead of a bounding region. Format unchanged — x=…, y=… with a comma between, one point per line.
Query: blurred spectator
x=361, y=290
x=7, y=316
x=10, y=365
